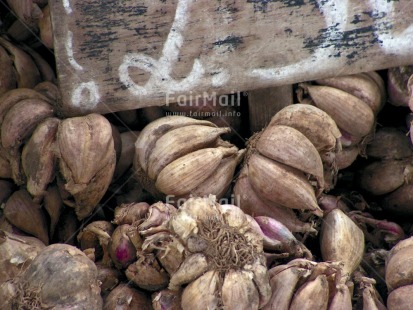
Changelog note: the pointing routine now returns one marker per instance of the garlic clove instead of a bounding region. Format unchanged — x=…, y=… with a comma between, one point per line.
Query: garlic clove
x=146, y=273
x=27, y=215
x=341, y=240
x=249, y=202
x=239, y=292
x=400, y=298
x=281, y=184
x=349, y=112
x=358, y=85
x=290, y=147
x=130, y=213
x=283, y=285
x=218, y=182
x=389, y=143
x=156, y=129
x=262, y=283
x=191, y=268
x=312, y=295
x=398, y=268
x=341, y=299
x=191, y=170
x=202, y=293
x=169, y=250
x=383, y=177
x=174, y=144
x=166, y=300
x=313, y=122
x=39, y=157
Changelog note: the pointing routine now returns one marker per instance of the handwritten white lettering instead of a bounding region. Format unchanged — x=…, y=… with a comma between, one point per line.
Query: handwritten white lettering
x=88, y=100
x=69, y=51
x=66, y=5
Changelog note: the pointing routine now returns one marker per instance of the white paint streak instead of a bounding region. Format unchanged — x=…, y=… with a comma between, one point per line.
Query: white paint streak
x=392, y=43
x=220, y=79
x=86, y=95
x=335, y=15
x=69, y=51
x=160, y=79
x=68, y=8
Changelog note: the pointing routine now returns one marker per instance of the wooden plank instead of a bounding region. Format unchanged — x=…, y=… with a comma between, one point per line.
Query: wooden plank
x=118, y=55
x=264, y=103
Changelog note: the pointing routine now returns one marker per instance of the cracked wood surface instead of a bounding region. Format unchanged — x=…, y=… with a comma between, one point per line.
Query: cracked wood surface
x=119, y=55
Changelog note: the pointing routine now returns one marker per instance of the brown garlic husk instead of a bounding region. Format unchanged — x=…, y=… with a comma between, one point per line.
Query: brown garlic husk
x=156, y=218
x=39, y=157
x=87, y=160
x=97, y=235
x=16, y=254
x=21, y=211
x=167, y=248
x=191, y=170
x=400, y=298
x=389, y=143
x=191, y=268
x=218, y=183
x=47, y=73
x=295, y=283
x=367, y=296
x=398, y=266
x=28, y=74
x=341, y=240
x=125, y=297
x=166, y=299
x=53, y=204
x=383, y=177
x=18, y=124
x=108, y=276
x=146, y=273
x=130, y=213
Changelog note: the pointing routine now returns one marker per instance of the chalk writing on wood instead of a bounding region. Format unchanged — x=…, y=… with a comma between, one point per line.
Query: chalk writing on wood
x=118, y=55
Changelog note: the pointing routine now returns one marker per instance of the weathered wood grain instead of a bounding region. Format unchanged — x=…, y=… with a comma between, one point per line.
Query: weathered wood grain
x=118, y=55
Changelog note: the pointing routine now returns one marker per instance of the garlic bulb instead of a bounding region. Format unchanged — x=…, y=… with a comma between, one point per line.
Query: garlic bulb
x=286, y=166
x=222, y=262
x=342, y=240
x=181, y=156
x=352, y=101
